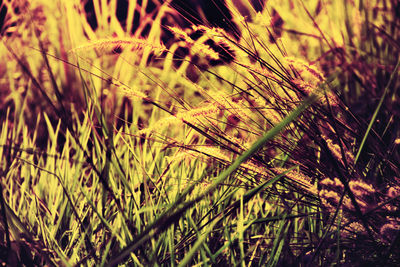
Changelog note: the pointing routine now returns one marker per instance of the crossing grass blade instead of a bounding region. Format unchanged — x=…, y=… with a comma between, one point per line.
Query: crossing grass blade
x=166, y=219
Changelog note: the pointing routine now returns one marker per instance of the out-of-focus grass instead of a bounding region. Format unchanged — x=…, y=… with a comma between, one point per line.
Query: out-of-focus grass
x=285, y=155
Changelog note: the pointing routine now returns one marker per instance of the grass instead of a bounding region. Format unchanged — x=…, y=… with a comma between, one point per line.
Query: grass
x=278, y=149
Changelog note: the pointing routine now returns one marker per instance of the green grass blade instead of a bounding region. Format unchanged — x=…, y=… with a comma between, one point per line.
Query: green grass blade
x=197, y=244
x=394, y=73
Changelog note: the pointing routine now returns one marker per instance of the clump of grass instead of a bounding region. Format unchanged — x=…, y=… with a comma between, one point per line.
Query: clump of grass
x=267, y=159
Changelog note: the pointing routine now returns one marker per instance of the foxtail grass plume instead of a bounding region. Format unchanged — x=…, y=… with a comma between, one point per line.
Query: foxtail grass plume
x=195, y=46
x=116, y=44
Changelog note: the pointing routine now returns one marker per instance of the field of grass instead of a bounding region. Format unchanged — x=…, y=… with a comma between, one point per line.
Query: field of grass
x=279, y=146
